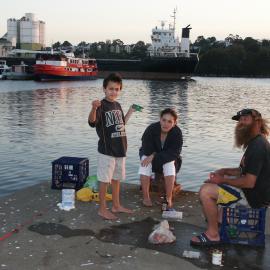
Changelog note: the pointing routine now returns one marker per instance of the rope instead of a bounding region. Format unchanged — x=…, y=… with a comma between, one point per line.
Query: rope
x=19, y=227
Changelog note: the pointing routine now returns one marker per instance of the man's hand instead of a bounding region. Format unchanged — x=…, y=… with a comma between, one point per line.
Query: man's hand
x=215, y=178
x=220, y=172
x=147, y=160
x=96, y=104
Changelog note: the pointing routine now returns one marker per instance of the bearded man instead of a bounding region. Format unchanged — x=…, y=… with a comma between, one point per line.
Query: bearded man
x=249, y=184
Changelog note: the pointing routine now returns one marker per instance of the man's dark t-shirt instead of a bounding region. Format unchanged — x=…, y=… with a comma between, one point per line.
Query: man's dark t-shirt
x=110, y=127
x=256, y=161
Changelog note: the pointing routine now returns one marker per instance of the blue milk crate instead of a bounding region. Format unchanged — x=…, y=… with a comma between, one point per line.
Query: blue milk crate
x=241, y=225
x=69, y=172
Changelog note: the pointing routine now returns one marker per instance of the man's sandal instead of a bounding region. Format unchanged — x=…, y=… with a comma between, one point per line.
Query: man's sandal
x=204, y=241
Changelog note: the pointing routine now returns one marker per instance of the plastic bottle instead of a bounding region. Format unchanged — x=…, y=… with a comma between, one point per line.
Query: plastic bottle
x=164, y=204
x=191, y=254
x=68, y=198
x=172, y=214
x=137, y=107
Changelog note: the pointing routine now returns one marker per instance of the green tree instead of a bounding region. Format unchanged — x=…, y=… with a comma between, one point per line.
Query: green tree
x=139, y=49
x=251, y=44
x=82, y=44
x=266, y=43
x=66, y=44
x=56, y=45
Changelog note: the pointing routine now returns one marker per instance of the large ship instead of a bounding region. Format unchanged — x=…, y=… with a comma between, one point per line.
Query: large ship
x=167, y=57
x=64, y=66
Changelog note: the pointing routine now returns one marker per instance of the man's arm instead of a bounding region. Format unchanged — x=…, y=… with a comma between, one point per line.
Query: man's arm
x=229, y=172
x=245, y=181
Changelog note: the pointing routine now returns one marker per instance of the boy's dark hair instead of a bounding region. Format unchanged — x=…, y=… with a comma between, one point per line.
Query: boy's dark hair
x=113, y=77
x=170, y=111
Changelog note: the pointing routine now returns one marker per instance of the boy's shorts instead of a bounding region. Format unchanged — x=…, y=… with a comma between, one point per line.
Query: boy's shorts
x=230, y=196
x=168, y=168
x=109, y=168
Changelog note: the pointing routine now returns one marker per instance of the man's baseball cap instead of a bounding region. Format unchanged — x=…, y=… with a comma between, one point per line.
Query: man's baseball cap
x=244, y=112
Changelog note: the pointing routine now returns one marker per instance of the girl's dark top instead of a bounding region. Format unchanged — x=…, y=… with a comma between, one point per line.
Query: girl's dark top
x=171, y=149
x=110, y=128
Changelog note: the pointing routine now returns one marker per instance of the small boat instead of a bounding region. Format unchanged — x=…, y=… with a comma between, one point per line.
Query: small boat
x=3, y=68
x=19, y=72
x=64, y=66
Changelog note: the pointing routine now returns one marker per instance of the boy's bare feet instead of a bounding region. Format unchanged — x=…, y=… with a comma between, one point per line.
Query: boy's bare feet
x=147, y=203
x=121, y=209
x=106, y=214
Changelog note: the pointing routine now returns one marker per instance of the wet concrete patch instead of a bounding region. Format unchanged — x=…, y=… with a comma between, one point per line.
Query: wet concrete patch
x=235, y=257
x=136, y=234
x=62, y=230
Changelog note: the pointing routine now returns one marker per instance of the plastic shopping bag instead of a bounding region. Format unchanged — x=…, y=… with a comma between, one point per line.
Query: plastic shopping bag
x=161, y=234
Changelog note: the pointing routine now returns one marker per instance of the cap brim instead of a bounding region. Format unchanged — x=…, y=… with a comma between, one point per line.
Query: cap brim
x=236, y=117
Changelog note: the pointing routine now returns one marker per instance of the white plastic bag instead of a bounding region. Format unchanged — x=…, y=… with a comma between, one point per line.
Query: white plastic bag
x=161, y=234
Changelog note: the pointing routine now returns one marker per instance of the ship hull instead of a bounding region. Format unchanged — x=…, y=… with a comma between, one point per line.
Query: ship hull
x=147, y=75
x=59, y=73
x=50, y=77
x=149, y=68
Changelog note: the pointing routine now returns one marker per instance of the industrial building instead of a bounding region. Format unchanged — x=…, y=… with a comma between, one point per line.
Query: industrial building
x=27, y=33
x=5, y=47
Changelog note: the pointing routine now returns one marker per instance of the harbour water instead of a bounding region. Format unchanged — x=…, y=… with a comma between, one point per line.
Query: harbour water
x=41, y=122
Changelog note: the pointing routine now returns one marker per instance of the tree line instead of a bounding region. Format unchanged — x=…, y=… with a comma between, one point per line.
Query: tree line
x=233, y=57
x=107, y=49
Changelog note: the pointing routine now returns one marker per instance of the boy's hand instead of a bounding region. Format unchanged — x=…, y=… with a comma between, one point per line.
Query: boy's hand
x=132, y=109
x=96, y=104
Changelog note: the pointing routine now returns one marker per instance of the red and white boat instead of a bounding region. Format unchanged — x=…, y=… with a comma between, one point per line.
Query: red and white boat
x=64, y=67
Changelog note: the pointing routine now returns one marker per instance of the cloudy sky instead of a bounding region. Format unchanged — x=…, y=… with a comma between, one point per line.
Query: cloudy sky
x=131, y=21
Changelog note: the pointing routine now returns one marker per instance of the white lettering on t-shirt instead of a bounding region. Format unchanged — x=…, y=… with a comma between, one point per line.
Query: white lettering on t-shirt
x=113, y=118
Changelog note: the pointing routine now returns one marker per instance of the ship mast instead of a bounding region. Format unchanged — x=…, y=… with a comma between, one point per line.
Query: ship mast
x=174, y=18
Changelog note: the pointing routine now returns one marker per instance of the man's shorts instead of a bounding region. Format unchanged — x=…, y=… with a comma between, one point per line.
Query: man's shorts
x=168, y=168
x=109, y=168
x=230, y=196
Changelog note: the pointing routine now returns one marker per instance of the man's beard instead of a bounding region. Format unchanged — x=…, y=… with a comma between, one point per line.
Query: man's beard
x=243, y=134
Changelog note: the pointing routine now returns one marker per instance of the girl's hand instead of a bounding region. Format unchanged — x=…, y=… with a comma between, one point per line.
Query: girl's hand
x=147, y=161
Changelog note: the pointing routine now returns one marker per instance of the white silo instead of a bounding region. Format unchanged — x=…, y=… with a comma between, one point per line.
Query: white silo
x=30, y=16
x=12, y=31
x=28, y=32
x=35, y=31
x=42, y=33
x=25, y=30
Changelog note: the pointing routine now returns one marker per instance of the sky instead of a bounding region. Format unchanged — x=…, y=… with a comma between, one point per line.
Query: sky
x=131, y=21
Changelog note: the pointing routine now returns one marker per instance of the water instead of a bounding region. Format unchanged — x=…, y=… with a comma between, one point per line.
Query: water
x=41, y=122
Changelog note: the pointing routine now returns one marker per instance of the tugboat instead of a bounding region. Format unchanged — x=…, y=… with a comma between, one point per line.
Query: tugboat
x=19, y=72
x=64, y=66
x=167, y=57
x=3, y=68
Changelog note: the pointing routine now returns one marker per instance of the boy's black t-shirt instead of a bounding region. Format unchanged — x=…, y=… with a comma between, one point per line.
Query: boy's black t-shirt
x=110, y=127
x=256, y=161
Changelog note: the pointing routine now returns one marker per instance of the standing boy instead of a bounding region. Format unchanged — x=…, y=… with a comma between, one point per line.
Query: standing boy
x=108, y=118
